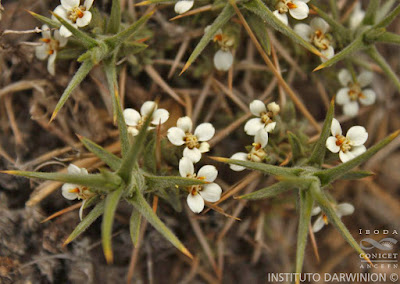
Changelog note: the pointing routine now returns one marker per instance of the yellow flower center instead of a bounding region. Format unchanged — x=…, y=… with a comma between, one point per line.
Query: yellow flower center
x=75, y=13
x=194, y=189
x=283, y=6
x=344, y=143
x=266, y=117
x=82, y=192
x=191, y=141
x=320, y=40
x=257, y=154
x=52, y=45
x=355, y=91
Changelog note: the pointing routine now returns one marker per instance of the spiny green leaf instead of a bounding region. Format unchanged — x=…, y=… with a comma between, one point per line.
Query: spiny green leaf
x=381, y=61
x=115, y=18
x=124, y=35
x=225, y=15
x=144, y=208
x=329, y=175
x=86, y=222
x=318, y=154
x=265, y=168
x=97, y=181
x=148, y=2
x=111, y=204
x=357, y=175
x=260, y=30
x=384, y=9
x=306, y=205
x=109, y=158
x=258, y=7
x=81, y=74
x=134, y=226
x=51, y=23
x=326, y=206
x=270, y=191
x=70, y=53
x=157, y=182
x=171, y=195
x=297, y=147
x=356, y=45
x=388, y=37
x=370, y=14
x=389, y=18
x=81, y=36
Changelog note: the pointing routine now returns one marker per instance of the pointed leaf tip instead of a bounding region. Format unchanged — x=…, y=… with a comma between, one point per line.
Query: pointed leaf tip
x=109, y=256
x=143, y=3
x=319, y=67
x=187, y=65
x=394, y=134
x=186, y=252
x=218, y=159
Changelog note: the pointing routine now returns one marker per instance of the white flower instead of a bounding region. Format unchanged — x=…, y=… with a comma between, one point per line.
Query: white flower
x=264, y=118
x=298, y=9
x=135, y=120
x=357, y=16
x=49, y=47
x=182, y=6
x=223, y=60
x=353, y=92
x=73, y=191
x=257, y=152
x=195, y=143
x=350, y=146
x=316, y=33
x=341, y=210
x=77, y=15
x=198, y=193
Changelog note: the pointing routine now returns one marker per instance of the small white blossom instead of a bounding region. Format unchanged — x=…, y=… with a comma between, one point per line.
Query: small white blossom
x=256, y=154
x=77, y=15
x=341, y=210
x=198, y=193
x=135, y=120
x=265, y=116
x=357, y=16
x=298, y=9
x=182, y=6
x=195, y=142
x=49, y=47
x=223, y=60
x=350, y=146
x=316, y=33
x=353, y=92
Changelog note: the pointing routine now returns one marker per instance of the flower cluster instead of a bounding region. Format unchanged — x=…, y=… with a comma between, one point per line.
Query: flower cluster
x=298, y=9
x=258, y=127
x=49, y=47
x=352, y=91
x=317, y=34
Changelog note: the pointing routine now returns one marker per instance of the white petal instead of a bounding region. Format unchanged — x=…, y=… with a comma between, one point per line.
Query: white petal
x=318, y=224
x=185, y=123
x=345, y=77
x=365, y=78
x=315, y=211
x=282, y=17
x=342, y=96
x=41, y=51
x=204, y=131
x=270, y=127
x=354, y=152
x=351, y=108
x=257, y=107
x=132, y=130
x=46, y=31
x=70, y=4
x=301, y=12
x=211, y=192
x=358, y=150
x=305, y=1
x=88, y=4
x=223, y=60
x=195, y=202
x=175, y=136
x=72, y=169
x=183, y=6
x=51, y=64
x=261, y=137
x=61, y=12
x=336, y=129
x=357, y=16
x=344, y=209
x=238, y=156
x=328, y=53
x=65, y=191
x=319, y=24
x=368, y=98
x=331, y=144
x=160, y=116
x=208, y=172
x=304, y=31
x=131, y=116
x=193, y=154
x=81, y=209
x=85, y=20
x=274, y=108
x=253, y=125
x=186, y=167
x=357, y=135
x=62, y=41
x=204, y=147
x=65, y=32
x=148, y=107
